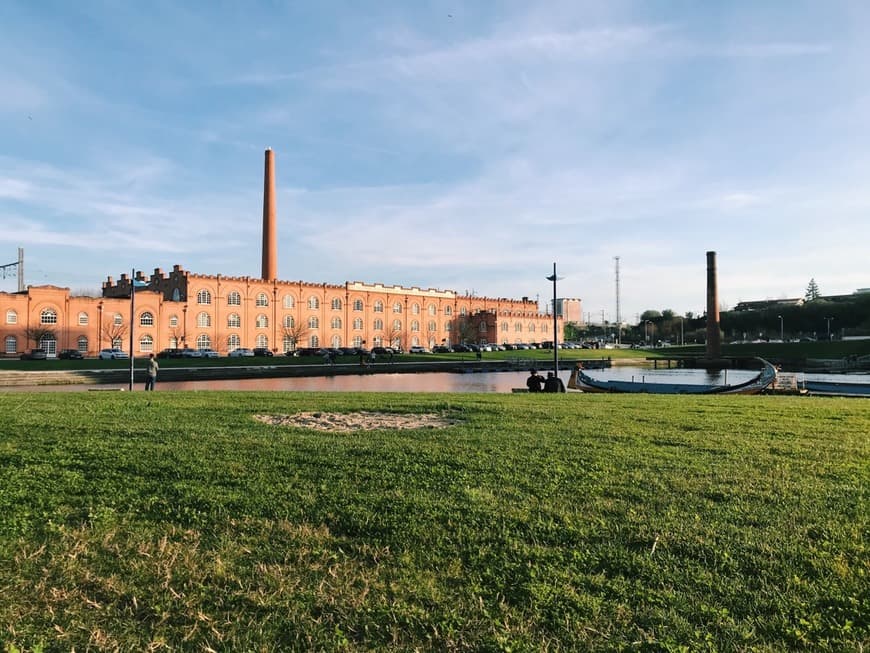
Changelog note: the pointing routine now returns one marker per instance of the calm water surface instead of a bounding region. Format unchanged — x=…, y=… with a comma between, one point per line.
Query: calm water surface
x=438, y=381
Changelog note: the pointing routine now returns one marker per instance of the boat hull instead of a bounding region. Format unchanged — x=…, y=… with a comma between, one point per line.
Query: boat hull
x=581, y=381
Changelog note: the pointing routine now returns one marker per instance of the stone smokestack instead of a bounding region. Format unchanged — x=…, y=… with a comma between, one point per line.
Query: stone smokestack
x=714, y=340
x=270, y=242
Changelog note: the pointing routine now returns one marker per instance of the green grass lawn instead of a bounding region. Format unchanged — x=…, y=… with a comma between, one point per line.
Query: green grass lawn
x=176, y=521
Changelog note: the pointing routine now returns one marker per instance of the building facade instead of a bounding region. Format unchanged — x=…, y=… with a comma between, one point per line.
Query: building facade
x=184, y=309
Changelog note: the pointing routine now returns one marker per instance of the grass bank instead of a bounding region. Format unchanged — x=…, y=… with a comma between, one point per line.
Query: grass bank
x=606, y=522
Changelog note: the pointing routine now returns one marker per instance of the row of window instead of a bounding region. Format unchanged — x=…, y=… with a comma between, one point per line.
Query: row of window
x=203, y=320
x=234, y=298
x=146, y=319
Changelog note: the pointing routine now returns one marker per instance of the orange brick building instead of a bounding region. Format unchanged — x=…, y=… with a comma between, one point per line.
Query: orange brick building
x=185, y=309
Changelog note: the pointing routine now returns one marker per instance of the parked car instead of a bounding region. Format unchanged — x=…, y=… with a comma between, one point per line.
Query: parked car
x=34, y=355
x=241, y=351
x=70, y=354
x=209, y=353
x=170, y=352
x=262, y=351
x=417, y=349
x=187, y=352
x=108, y=354
x=383, y=351
x=441, y=349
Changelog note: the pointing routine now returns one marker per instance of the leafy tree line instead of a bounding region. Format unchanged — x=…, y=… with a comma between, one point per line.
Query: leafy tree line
x=813, y=319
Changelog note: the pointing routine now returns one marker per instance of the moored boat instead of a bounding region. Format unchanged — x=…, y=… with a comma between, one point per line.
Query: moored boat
x=581, y=381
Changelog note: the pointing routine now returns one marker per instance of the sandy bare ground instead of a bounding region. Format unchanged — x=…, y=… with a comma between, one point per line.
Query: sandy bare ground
x=359, y=421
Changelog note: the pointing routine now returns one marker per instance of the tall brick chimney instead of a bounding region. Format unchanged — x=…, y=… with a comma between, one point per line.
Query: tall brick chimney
x=714, y=340
x=270, y=242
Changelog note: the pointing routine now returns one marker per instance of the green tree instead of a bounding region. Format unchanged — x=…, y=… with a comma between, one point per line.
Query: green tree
x=812, y=291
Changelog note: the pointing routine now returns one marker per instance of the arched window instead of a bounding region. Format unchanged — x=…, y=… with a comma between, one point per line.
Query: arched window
x=463, y=311
x=262, y=321
x=543, y=328
x=336, y=342
x=117, y=341
x=448, y=327
x=313, y=322
x=357, y=304
x=146, y=319
x=397, y=307
x=415, y=325
x=234, y=298
x=173, y=321
x=82, y=344
x=289, y=301
x=11, y=345
x=357, y=341
x=176, y=295
x=397, y=325
x=379, y=325
x=335, y=323
x=234, y=321
x=262, y=299
x=83, y=319
x=146, y=343
x=289, y=322
x=262, y=341
x=11, y=318
x=432, y=310
x=203, y=297
x=503, y=326
x=448, y=310
x=518, y=327
x=313, y=341
x=48, y=316
x=415, y=309
x=378, y=307
x=233, y=342
x=117, y=319
x=357, y=324
x=289, y=343
x=482, y=327
x=432, y=327
x=313, y=302
x=531, y=327
x=173, y=342
x=203, y=320
x=336, y=304
x=203, y=341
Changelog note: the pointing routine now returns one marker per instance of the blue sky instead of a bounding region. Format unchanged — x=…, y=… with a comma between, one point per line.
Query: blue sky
x=451, y=145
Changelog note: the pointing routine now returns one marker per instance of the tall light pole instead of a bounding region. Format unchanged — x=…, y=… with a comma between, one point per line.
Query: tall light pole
x=682, y=338
x=781, y=329
x=554, y=278
x=646, y=330
x=828, y=320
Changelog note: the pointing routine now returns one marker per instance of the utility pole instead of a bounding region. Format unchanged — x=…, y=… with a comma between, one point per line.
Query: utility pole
x=618, y=314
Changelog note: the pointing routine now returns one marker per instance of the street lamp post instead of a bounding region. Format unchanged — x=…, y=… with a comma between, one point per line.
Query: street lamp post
x=682, y=338
x=646, y=332
x=828, y=320
x=554, y=278
x=781, y=329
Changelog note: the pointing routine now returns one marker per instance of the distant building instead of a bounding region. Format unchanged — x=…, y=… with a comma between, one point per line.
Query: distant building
x=570, y=310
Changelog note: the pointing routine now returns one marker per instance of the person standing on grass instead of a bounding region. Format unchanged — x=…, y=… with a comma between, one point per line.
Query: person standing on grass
x=151, y=375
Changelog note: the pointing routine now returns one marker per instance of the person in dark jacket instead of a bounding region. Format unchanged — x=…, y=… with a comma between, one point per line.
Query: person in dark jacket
x=535, y=382
x=553, y=383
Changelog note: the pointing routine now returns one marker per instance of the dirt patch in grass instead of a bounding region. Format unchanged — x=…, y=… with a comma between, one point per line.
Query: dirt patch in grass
x=359, y=421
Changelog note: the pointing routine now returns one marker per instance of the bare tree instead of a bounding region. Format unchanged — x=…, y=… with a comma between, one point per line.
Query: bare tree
x=39, y=333
x=113, y=332
x=296, y=333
